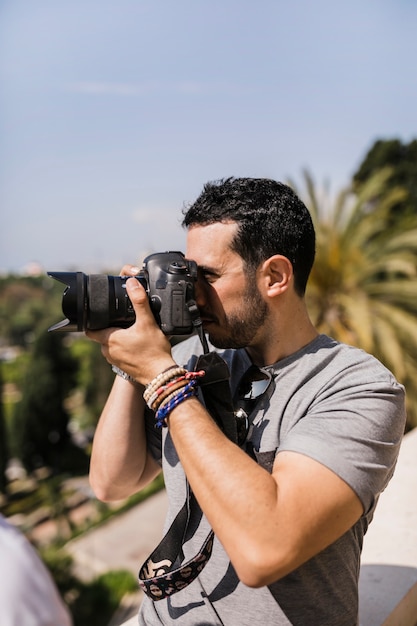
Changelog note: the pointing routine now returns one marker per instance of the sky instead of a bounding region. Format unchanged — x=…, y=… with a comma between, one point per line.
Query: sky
x=113, y=114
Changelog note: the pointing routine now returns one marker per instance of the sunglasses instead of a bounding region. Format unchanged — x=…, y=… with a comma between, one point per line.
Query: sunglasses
x=253, y=385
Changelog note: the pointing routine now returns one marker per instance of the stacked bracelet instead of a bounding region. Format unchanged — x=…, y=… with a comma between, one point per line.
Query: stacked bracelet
x=169, y=389
x=162, y=378
x=187, y=391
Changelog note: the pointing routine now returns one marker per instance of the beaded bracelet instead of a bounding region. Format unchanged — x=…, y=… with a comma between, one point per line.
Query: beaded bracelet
x=162, y=378
x=165, y=390
x=171, y=394
x=169, y=398
x=188, y=391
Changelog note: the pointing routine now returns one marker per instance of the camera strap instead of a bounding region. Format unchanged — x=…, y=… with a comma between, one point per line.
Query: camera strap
x=215, y=384
x=164, y=572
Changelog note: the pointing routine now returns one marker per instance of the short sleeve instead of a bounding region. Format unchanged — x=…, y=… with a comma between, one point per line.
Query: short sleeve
x=355, y=429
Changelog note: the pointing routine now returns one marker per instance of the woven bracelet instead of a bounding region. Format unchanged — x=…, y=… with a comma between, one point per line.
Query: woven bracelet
x=170, y=396
x=162, y=393
x=170, y=374
x=163, y=412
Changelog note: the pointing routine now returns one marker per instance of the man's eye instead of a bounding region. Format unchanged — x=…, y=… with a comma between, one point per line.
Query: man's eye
x=209, y=277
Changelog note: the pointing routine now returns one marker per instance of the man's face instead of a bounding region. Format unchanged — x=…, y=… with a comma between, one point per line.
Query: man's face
x=231, y=307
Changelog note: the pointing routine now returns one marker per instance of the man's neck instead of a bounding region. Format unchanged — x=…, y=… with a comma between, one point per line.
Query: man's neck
x=280, y=340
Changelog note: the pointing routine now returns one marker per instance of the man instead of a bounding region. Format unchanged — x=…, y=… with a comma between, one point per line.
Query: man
x=290, y=503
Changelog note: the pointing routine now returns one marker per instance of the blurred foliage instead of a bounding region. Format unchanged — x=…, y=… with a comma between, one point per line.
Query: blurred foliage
x=54, y=384
x=363, y=285
x=401, y=158
x=4, y=449
x=91, y=603
x=41, y=418
x=94, y=379
x=27, y=305
x=98, y=600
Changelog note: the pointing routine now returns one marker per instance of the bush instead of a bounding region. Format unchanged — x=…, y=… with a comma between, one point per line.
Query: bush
x=90, y=603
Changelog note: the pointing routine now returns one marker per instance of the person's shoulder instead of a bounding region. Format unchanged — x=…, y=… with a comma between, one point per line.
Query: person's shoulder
x=12, y=540
x=28, y=594
x=353, y=358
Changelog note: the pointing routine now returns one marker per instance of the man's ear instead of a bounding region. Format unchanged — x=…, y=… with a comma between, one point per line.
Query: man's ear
x=276, y=274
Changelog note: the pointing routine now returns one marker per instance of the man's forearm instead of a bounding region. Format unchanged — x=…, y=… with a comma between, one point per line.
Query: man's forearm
x=232, y=490
x=120, y=464
x=269, y=524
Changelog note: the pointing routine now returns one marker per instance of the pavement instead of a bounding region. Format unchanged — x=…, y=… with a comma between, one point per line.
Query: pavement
x=388, y=579
x=123, y=542
x=392, y=536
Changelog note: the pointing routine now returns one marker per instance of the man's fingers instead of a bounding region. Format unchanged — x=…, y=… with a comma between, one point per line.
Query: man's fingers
x=136, y=292
x=129, y=270
x=140, y=301
x=138, y=298
x=99, y=336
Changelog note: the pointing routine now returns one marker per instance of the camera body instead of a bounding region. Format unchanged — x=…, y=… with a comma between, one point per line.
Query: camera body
x=99, y=301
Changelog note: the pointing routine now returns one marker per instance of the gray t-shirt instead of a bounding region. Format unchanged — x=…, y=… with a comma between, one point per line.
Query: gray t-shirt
x=333, y=403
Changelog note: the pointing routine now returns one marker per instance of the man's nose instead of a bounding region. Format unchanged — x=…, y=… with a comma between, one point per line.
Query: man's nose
x=200, y=293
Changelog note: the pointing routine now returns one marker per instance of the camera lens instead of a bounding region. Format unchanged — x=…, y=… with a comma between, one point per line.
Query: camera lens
x=99, y=301
x=94, y=301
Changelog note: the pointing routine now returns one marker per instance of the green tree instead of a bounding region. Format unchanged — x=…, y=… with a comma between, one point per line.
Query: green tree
x=4, y=452
x=42, y=418
x=401, y=158
x=91, y=603
x=364, y=282
x=94, y=380
x=27, y=305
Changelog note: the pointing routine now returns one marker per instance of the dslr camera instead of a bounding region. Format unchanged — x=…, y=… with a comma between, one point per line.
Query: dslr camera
x=98, y=301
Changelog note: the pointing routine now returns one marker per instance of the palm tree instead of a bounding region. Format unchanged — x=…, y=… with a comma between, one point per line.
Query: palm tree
x=363, y=287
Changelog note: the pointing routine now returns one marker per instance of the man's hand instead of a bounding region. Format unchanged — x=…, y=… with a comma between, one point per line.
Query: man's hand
x=142, y=350
x=129, y=270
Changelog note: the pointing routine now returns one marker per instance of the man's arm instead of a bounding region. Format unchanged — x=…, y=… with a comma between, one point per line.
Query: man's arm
x=120, y=463
x=268, y=524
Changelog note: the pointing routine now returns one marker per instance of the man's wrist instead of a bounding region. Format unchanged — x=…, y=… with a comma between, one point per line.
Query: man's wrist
x=124, y=374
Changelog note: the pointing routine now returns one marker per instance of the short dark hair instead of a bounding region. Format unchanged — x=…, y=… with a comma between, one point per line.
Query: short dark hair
x=271, y=218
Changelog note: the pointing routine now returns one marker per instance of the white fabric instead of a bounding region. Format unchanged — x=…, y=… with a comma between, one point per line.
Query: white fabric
x=28, y=595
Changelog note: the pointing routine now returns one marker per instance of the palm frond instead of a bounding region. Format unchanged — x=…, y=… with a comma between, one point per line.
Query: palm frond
x=363, y=286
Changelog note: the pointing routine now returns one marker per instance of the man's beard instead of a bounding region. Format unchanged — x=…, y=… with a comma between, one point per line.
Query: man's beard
x=242, y=325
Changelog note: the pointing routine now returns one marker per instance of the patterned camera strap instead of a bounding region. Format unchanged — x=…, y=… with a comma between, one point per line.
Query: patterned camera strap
x=164, y=572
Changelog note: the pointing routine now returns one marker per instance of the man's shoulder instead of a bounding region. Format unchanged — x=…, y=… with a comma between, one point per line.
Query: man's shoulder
x=336, y=356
